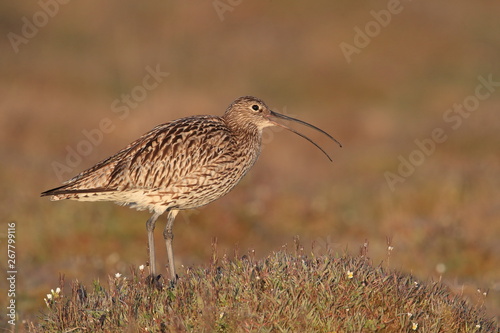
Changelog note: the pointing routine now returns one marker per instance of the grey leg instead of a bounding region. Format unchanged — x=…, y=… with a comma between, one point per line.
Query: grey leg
x=150, y=227
x=169, y=236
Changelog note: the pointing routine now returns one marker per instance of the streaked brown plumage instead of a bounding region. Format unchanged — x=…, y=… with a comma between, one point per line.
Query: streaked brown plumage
x=182, y=164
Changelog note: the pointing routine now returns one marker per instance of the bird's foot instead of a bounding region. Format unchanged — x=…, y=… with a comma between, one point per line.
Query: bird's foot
x=155, y=281
x=173, y=282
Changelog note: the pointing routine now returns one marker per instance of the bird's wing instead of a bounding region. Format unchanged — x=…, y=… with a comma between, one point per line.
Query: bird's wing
x=178, y=153
x=169, y=154
x=97, y=177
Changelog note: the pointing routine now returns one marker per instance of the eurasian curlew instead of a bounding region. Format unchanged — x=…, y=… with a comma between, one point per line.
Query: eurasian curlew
x=182, y=164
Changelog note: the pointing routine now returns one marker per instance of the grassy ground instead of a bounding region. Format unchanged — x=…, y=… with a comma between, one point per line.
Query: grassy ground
x=88, y=61
x=281, y=293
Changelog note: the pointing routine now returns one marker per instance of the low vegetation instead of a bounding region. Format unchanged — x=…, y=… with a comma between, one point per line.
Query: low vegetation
x=285, y=292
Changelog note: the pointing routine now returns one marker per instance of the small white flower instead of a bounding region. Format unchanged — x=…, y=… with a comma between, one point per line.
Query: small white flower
x=390, y=248
x=350, y=274
x=118, y=275
x=414, y=326
x=409, y=314
x=51, y=298
x=141, y=268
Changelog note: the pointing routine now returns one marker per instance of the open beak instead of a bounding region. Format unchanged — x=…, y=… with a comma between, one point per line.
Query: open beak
x=281, y=116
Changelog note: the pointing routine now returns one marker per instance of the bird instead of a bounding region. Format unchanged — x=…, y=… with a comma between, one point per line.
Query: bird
x=182, y=164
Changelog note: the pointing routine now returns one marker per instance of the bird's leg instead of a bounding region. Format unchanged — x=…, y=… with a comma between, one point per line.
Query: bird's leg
x=150, y=227
x=169, y=236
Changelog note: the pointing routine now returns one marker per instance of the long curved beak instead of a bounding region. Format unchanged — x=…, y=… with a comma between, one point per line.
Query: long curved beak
x=281, y=116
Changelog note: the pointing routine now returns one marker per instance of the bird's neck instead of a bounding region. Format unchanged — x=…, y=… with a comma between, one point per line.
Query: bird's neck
x=242, y=128
x=245, y=134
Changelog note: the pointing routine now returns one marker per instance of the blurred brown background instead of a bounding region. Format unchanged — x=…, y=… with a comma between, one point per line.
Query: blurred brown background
x=67, y=67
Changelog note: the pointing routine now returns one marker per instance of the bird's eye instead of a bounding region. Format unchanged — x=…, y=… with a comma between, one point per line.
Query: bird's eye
x=255, y=107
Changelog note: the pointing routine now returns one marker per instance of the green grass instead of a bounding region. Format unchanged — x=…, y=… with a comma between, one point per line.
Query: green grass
x=285, y=292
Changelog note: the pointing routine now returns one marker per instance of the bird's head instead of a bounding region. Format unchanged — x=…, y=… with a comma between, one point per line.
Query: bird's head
x=251, y=112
